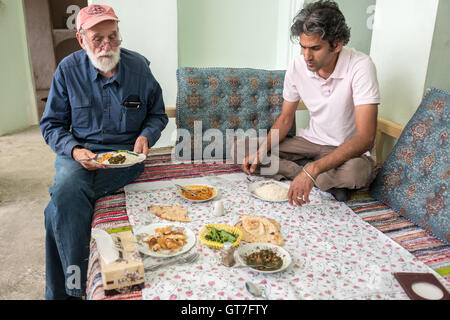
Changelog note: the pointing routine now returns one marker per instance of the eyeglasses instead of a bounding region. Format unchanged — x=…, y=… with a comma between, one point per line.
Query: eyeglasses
x=98, y=43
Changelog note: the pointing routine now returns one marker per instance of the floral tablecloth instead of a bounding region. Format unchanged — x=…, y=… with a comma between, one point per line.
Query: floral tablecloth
x=335, y=255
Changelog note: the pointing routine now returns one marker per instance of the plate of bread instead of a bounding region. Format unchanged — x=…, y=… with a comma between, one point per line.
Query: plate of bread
x=260, y=229
x=170, y=213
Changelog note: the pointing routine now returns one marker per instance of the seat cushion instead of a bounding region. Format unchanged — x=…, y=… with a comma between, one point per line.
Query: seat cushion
x=414, y=180
x=225, y=100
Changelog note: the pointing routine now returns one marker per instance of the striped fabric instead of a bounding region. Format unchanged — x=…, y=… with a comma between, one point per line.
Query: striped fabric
x=180, y=171
x=110, y=213
x=413, y=238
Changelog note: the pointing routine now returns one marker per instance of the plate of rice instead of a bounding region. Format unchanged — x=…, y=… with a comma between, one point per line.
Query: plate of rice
x=272, y=191
x=120, y=159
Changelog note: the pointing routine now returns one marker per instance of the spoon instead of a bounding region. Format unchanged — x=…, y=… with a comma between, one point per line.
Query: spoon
x=255, y=290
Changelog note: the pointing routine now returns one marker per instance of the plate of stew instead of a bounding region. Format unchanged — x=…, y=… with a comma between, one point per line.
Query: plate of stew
x=264, y=257
x=120, y=159
x=202, y=193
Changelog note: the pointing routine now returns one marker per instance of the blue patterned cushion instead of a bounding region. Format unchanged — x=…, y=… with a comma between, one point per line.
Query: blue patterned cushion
x=228, y=98
x=414, y=179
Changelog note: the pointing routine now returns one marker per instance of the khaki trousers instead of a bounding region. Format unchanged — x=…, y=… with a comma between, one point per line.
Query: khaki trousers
x=356, y=173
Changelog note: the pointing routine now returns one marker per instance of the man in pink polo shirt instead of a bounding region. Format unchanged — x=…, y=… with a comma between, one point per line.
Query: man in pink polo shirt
x=339, y=87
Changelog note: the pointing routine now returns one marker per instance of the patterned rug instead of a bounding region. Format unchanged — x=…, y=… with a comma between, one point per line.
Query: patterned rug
x=110, y=213
x=170, y=171
x=416, y=240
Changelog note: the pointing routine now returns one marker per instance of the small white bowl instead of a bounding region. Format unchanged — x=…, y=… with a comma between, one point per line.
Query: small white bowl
x=250, y=248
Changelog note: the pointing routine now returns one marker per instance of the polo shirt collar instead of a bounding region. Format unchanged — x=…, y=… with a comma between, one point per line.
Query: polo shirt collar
x=342, y=64
x=340, y=69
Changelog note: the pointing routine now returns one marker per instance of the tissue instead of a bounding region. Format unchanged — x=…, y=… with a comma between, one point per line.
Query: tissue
x=105, y=245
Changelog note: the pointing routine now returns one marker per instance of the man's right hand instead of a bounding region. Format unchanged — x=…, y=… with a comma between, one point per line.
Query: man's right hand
x=250, y=164
x=85, y=157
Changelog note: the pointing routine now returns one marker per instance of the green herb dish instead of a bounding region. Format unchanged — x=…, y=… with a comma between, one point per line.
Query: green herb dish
x=220, y=236
x=215, y=235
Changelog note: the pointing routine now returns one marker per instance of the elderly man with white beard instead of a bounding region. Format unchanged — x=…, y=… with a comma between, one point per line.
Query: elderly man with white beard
x=102, y=98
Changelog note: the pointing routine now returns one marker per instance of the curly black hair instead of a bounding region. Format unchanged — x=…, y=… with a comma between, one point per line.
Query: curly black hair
x=322, y=17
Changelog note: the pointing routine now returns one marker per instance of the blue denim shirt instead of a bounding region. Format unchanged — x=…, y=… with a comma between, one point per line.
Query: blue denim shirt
x=84, y=107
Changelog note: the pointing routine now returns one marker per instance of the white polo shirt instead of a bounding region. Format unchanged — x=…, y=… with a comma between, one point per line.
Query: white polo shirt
x=331, y=102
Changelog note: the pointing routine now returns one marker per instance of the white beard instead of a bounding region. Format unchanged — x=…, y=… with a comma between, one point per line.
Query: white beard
x=104, y=64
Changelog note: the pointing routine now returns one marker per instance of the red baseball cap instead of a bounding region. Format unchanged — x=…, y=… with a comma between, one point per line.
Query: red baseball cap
x=91, y=15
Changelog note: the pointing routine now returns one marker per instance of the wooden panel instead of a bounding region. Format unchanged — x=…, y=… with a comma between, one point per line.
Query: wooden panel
x=171, y=112
x=385, y=128
x=301, y=106
x=390, y=128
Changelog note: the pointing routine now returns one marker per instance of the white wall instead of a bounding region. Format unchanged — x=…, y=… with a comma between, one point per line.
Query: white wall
x=17, y=95
x=401, y=45
x=150, y=28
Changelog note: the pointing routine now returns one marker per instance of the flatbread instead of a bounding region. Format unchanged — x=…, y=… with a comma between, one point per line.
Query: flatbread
x=171, y=213
x=253, y=225
x=260, y=229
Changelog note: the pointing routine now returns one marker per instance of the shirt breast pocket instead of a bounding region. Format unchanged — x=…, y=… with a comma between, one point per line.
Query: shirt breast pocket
x=82, y=113
x=134, y=111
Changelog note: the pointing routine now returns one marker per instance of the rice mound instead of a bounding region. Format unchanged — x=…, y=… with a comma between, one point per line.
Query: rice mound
x=272, y=192
x=129, y=158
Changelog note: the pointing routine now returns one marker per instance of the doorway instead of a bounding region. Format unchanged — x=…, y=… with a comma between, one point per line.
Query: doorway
x=51, y=31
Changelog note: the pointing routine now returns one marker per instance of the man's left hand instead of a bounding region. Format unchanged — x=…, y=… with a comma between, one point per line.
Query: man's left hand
x=300, y=189
x=141, y=145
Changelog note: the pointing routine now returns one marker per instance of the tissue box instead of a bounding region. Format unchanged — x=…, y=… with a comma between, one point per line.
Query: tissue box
x=127, y=275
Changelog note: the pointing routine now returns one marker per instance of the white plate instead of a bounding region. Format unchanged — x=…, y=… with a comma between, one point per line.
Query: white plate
x=202, y=185
x=135, y=157
x=142, y=233
x=255, y=185
x=250, y=248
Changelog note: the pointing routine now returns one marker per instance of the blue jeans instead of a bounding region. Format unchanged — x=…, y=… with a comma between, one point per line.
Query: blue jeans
x=68, y=218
